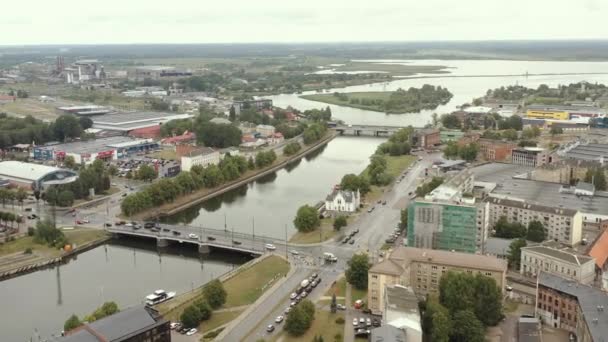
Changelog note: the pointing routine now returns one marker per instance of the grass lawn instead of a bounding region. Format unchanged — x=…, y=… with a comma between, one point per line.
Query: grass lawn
x=510, y=306
x=339, y=288
x=327, y=232
x=77, y=236
x=164, y=154
x=324, y=325
x=358, y=294
x=247, y=286
x=218, y=319
x=331, y=99
x=243, y=288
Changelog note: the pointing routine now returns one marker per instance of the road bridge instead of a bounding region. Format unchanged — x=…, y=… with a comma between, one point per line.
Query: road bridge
x=205, y=238
x=366, y=130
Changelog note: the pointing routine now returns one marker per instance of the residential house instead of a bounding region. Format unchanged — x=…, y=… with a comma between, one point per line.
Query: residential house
x=342, y=201
x=265, y=130
x=276, y=138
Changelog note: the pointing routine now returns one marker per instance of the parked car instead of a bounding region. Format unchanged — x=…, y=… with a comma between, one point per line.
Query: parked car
x=279, y=319
x=174, y=325
x=376, y=322
x=108, y=224
x=193, y=236
x=368, y=322
x=210, y=238
x=340, y=307
x=355, y=321
x=294, y=252
x=270, y=328
x=384, y=202
x=346, y=239
x=352, y=242
x=287, y=310
x=293, y=295
x=362, y=320
x=148, y=225
x=191, y=332
x=176, y=233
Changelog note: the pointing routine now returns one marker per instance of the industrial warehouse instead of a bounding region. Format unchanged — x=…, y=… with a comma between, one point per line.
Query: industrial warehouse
x=34, y=176
x=85, y=152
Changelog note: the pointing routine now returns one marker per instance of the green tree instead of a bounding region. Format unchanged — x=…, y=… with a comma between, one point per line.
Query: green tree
x=468, y=152
x=66, y=126
x=352, y=182
x=212, y=176
x=232, y=114
x=204, y=308
x=299, y=320
x=65, y=198
x=106, y=309
x=146, y=173
x=292, y=148
x=377, y=170
x=450, y=121
x=339, y=222
x=307, y=219
x=556, y=130
x=69, y=162
x=215, y=294
x=599, y=179
x=451, y=150
x=217, y=135
x=536, y=232
x=191, y=316
x=510, y=134
x=466, y=328
x=71, y=323
x=488, y=300
x=356, y=273
x=20, y=195
x=514, y=256
x=507, y=230
x=250, y=163
x=403, y=222
x=440, y=331
x=85, y=122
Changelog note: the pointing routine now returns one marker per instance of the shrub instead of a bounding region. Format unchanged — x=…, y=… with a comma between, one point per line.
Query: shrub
x=340, y=320
x=214, y=333
x=28, y=251
x=30, y=231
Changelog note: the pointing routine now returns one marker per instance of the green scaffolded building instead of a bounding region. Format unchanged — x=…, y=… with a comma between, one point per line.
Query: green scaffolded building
x=450, y=226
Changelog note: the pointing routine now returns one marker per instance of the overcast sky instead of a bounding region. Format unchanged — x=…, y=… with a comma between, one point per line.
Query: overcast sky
x=212, y=21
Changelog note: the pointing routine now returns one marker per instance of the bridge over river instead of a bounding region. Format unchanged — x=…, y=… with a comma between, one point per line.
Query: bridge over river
x=205, y=238
x=369, y=130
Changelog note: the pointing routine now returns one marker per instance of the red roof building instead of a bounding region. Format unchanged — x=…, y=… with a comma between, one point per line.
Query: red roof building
x=179, y=139
x=146, y=132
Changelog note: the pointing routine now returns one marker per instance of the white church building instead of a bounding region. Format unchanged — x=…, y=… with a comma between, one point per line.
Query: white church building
x=343, y=201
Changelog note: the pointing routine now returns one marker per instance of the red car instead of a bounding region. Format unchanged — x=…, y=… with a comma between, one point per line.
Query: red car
x=78, y=222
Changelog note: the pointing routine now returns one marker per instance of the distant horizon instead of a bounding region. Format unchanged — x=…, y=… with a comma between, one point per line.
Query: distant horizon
x=318, y=42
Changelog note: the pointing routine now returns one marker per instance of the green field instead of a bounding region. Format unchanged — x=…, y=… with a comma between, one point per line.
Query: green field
x=323, y=233
x=393, y=69
x=371, y=95
x=324, y=325
x=77, y=237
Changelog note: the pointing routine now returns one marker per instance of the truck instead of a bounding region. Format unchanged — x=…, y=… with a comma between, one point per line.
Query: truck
x=329, y=257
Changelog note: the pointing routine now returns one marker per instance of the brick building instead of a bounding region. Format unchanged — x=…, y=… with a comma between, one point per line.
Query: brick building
x=426, y=138
x=495, y=150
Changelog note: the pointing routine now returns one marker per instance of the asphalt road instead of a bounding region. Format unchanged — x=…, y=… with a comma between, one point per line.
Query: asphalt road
x=373, y=227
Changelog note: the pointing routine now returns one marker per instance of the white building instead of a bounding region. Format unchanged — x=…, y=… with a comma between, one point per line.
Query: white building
x=561, y=262
x=343, y=201
x=265, y=130
x=563, y=225
x=204, y=157
x=276, y=138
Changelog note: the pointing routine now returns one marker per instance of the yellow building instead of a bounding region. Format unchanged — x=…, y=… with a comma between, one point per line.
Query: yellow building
x=547, y=114
x=421, y=269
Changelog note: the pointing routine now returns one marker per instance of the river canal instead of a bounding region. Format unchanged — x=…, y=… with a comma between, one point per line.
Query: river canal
x=37, y=304
x=41, y=301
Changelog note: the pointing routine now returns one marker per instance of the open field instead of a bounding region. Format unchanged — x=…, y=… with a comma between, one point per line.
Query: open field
x=35, y=108
x=368, y=95
x=324, y=325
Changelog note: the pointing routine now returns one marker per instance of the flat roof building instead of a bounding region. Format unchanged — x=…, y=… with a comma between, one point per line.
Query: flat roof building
x=34, y=176
x=589, y=152
x=528, y=329
x=530, y=156
x=495, y=150
x=203, y=156
x=135, y=324
x=401, y=311
x=125, y=122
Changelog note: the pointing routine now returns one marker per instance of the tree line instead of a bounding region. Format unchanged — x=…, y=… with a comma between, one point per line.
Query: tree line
x=106, y=309
x=467, y=152
x=10, y=195
x=213, y=296
x=166, y=190
x=535, y=231
x=14, y=130
x=292, y=148
x=94, y=176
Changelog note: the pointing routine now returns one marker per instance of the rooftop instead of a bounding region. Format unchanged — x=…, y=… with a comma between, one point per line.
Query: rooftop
x=528, y=329
x=154, y=67
x=535, y=191
x=531, y=206
x=586, y=109
x=588, y=152
x=483, y=262
x=134, y=120
x=347, y=195
x=96, y=145
x=401, y=298
x=589, y=299
x=497, y=246
x=201, y=151
x=118, y=326
x=562, y=254
x=387, y=333
x=599, y=250
x=23, y=170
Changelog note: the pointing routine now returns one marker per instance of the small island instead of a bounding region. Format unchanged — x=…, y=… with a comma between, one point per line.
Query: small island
x=400, y=101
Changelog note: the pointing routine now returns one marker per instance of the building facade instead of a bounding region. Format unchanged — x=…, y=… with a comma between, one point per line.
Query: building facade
x=204, y=157
x=265, y=130
x=426, y=138
x=342, y=201
x=560, y=262
x=530, y=156
x=566, y=304
x=563, y=225
x=421, y=269
x=495, y=150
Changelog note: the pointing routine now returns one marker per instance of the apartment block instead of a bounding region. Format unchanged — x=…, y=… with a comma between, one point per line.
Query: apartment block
x=563, y=225
x=421, y=269
x=566, y=304
x=561, y=262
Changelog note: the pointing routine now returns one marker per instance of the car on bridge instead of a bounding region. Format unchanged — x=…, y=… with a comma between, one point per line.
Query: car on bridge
x=270, y=247
x=193, y=236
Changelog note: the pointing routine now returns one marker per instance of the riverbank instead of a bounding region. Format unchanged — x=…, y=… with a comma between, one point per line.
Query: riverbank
x=14, y=260
x=202, y=195
x=243, y=285
x=395, y=165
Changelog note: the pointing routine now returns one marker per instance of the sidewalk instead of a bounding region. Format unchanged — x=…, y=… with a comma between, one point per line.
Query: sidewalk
x=349, y=333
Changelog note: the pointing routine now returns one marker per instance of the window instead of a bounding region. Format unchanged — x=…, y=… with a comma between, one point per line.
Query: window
x=375, y=276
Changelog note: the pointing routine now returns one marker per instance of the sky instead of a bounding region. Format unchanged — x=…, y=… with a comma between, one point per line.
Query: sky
x=28, y=22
